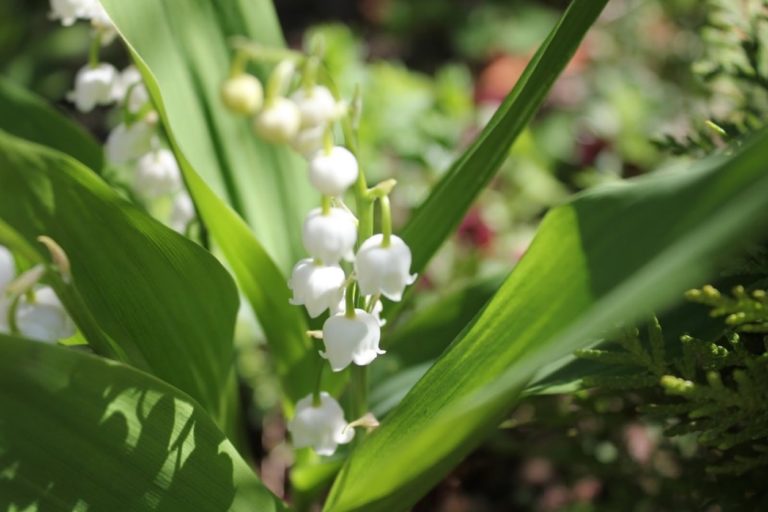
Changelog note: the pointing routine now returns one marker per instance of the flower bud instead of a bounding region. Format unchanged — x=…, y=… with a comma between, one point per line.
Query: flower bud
x=182, y=212
x=330, y=237
x=157, y=174
x=278, y=122
x=350, y=340
x=44, y=318
x=93, y=86
x=322, y=427
x=384, y=270
x=126, y=143
x=242, y=94
x=318, y=287
x=332, y=172
x=317, y=107
x=308, y=141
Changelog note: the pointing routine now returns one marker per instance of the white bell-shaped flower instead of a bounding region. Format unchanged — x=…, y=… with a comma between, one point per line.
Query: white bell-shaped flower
x=278, y=122
x=350, y=340
x=332, y=172
x=182, y=212
x=101, y=21
x=7, y=274
x=93, y=86
x=157, y=174
x=242, y=94
x=308, y=141
x=317, y=287
x=317, y=106
x=330, y=237
x=44, y=318
x=7, y=269
x=127, y=78
x=126, y=143
x=130, y=89
x=69, y=11
x=384, y=270
x=322, y=427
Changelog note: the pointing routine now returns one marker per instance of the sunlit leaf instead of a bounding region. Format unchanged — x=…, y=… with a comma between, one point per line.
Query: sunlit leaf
x=610, y=255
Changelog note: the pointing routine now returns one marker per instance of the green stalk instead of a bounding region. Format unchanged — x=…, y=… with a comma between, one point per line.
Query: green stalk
x=386, y=221
x=93, y=51
x=318, y=384
x=326, y=204
x=364, y=210
x=349, y=300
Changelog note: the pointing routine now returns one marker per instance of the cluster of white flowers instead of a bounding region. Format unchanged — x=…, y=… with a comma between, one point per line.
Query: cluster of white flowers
x=27, y=308
x=134, y=142
x=377, y=266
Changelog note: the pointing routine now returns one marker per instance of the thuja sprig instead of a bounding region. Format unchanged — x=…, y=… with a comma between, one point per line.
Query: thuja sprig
x=349, y=267
x=745, y=311
x=717, y=390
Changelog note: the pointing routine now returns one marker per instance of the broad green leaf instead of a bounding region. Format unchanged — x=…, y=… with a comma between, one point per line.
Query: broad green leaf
x=162, y=64
x=414, y=344
x=441, y=213
x=610, y=255
x=25, y=115
x=80, y=433
x=184, y=44
x=164, y=302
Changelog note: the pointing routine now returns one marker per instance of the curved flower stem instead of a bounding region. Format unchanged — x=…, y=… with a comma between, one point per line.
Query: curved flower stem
x=11, y=315
x=350, y=300
x=318, y=385
x=261, y=53
x=279, y=80
x=386, y=221
x=325, y=204
x=94, y=50
x=309, y=75
x=328, y=139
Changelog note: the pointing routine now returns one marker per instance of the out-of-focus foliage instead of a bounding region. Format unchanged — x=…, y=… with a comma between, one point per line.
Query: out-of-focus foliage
x=734, y=71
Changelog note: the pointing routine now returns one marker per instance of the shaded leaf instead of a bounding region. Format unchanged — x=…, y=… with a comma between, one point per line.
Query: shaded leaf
x=80, y=433
x=164, y=304
x=26, y=116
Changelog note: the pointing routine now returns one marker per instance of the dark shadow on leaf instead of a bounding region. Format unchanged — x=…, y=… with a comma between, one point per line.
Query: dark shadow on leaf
x=79, y=433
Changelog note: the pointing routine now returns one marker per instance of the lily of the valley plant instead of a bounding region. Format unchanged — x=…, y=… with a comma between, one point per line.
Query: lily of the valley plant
x=377, y=264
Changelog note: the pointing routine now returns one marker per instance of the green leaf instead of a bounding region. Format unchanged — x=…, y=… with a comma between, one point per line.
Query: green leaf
x=164, y=304
x=184, y=45
x=441, y=213
x=26, y=116
x=81, y=433
x=415, y=343
x=610, y=255
x=192, y=115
